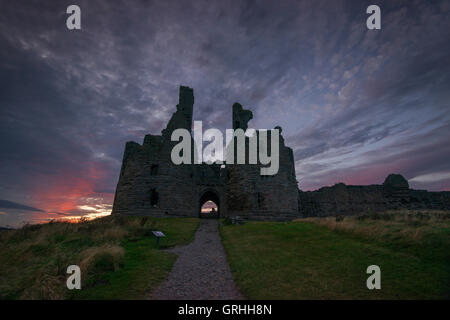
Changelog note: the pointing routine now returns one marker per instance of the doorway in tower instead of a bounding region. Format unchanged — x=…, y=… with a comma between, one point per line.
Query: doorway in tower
x=209, y=205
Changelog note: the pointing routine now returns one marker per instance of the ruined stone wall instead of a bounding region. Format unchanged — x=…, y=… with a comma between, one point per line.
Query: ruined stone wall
x=277, y=197
x=147, y=171
x=261, y=197
x=149, y=183
x=393, y=194
x=422, y=199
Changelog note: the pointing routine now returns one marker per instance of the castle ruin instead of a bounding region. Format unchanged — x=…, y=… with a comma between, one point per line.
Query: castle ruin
x=393, y=194
x=151, y=184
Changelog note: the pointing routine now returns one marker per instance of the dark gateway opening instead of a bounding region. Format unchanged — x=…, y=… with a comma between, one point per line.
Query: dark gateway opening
x=209, y=205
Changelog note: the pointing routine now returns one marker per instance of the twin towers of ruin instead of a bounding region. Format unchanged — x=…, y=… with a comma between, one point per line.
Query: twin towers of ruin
x=163, y=176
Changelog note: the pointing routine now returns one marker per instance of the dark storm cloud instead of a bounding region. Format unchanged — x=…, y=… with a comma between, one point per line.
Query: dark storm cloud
x=5, y=204
x=348, y=99
x=396, y=95
x=411, y=157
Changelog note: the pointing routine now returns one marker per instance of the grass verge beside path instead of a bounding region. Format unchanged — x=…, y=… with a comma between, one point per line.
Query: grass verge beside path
x=117, y=256
x=325, y=259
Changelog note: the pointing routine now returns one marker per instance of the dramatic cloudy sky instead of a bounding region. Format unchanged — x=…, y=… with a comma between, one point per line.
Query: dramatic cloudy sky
x=354, y=104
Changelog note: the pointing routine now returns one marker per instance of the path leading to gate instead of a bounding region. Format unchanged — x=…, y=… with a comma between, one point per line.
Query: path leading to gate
x=201, y=270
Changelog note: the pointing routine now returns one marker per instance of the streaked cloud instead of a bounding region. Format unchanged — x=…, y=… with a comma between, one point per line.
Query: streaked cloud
x=5, y=204
x=354, y=104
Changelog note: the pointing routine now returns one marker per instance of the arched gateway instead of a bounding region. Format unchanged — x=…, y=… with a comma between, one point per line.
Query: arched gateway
x=209, y=195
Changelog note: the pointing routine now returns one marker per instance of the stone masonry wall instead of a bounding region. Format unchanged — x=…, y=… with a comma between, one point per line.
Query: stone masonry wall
x=150, y=184
x=393, y=194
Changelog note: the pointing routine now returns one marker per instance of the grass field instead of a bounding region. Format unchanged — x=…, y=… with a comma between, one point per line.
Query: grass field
x=117, y=256
x=316, y=258
x=327, y=259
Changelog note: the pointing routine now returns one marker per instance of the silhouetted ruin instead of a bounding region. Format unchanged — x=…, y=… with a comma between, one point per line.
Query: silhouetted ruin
x=393, y=194
x=151, y=184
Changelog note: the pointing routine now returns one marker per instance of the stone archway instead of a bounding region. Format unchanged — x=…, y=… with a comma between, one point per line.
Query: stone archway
x=209, y=195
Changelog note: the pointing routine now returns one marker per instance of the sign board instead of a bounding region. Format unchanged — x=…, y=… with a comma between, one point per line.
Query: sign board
x=158, y=234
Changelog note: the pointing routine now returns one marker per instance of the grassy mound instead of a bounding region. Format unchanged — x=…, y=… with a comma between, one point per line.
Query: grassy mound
x=117, y=256
x=327, y=258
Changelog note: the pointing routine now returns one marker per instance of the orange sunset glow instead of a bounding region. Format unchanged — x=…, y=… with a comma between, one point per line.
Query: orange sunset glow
x=71, y=196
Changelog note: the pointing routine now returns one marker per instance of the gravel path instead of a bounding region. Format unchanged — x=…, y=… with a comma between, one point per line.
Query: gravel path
x=201, y=271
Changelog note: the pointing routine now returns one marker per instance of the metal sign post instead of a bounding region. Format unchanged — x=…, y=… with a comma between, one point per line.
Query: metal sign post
x=158, y=234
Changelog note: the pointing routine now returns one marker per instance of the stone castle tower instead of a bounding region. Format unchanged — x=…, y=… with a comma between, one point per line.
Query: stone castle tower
x=150, y=184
